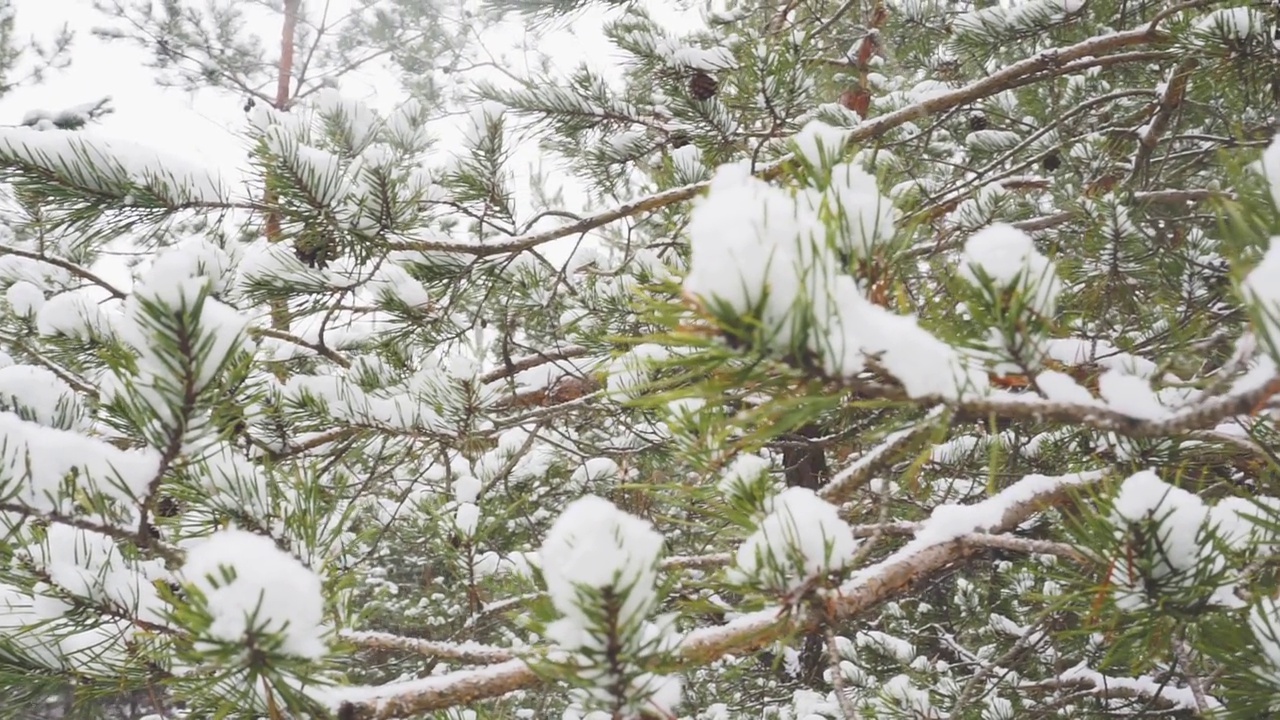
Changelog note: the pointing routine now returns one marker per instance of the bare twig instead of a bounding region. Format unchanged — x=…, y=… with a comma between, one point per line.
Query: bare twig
x=171, y=555
x=322, y=350
x=533, y=361
x=1183, y=653
x=70, y=267
x=848, y=480
x=837, y=676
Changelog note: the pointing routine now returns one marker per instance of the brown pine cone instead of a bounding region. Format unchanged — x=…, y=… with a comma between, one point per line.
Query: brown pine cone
x=702, y=86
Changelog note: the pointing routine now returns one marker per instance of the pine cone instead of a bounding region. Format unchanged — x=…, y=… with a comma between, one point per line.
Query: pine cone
x=978, y=121
x=702, y=86
x=1051, y=161
x=679, y=139
x=314, y=250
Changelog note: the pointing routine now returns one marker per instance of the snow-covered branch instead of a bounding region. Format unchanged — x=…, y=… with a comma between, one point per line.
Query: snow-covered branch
x=939, y=542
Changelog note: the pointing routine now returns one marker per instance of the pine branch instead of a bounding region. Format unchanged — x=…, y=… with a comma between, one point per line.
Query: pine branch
x=1170, y=100
x=173, y=556
x=69, y=266
x=467, y=652
x=322, y=350
x=1045, y=65
x=929, y=553
x=846, y=482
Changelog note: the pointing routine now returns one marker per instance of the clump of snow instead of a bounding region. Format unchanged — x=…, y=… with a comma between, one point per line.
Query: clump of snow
x=355, y=121
x=466, y=489
x=25, y=298
x=15, y=269
x=467, y=518
x=1168, y=531
x=819, y=143
x=197, y=257
x=1004, y=18
x=678, y=53
x=1236, y=521
x=74, y=314
x=1131, y=395
x=595, y=545
x=627, y=373
x=752, y=250
x=519, y=564
x=1061, y=387
x=594, y=548
x=625, y=144
x=213, y=332
x=37, y=462
x=71, y=118
x=1261, y=286
x=900, y=696
x=1079, y=351
x=925, y=365
x=321, y=174
x=992, y=140
x=275, y=265
x=743, y=474
x=89, y=565
x=41, y=396
x=36, y=625
x=948, y=522
x=401, y=408
x=252, y=588
x=688, y=164
x=1007, y=257
x=763, y=252
x=897, y=648
x=593, y=471
x=1237, y=23
x=111, y=167
x=393, y=282
x=868, y=217
x=801, y=537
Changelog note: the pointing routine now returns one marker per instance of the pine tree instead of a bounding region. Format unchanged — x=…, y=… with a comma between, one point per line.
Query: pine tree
x=912, y=360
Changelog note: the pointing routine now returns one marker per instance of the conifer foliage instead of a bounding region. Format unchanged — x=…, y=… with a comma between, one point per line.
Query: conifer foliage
x=911, y=360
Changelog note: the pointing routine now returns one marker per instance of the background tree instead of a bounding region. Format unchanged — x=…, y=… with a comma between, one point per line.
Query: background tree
x=913, y=360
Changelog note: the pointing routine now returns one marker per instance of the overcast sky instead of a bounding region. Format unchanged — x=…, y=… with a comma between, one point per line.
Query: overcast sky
x=194, y=128
x=202, y=128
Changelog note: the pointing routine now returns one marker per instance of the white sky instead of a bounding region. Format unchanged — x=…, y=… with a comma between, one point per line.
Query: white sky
x=170, y=121
x=202, y=128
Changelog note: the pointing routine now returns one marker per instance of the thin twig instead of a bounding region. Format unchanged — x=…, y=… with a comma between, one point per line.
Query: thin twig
x=70, y=267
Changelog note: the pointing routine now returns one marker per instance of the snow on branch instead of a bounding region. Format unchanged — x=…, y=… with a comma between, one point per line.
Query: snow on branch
x=468, y=652
x=1166, y=696
x=123, y=175
x=939, y=542
x=1204, y=414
